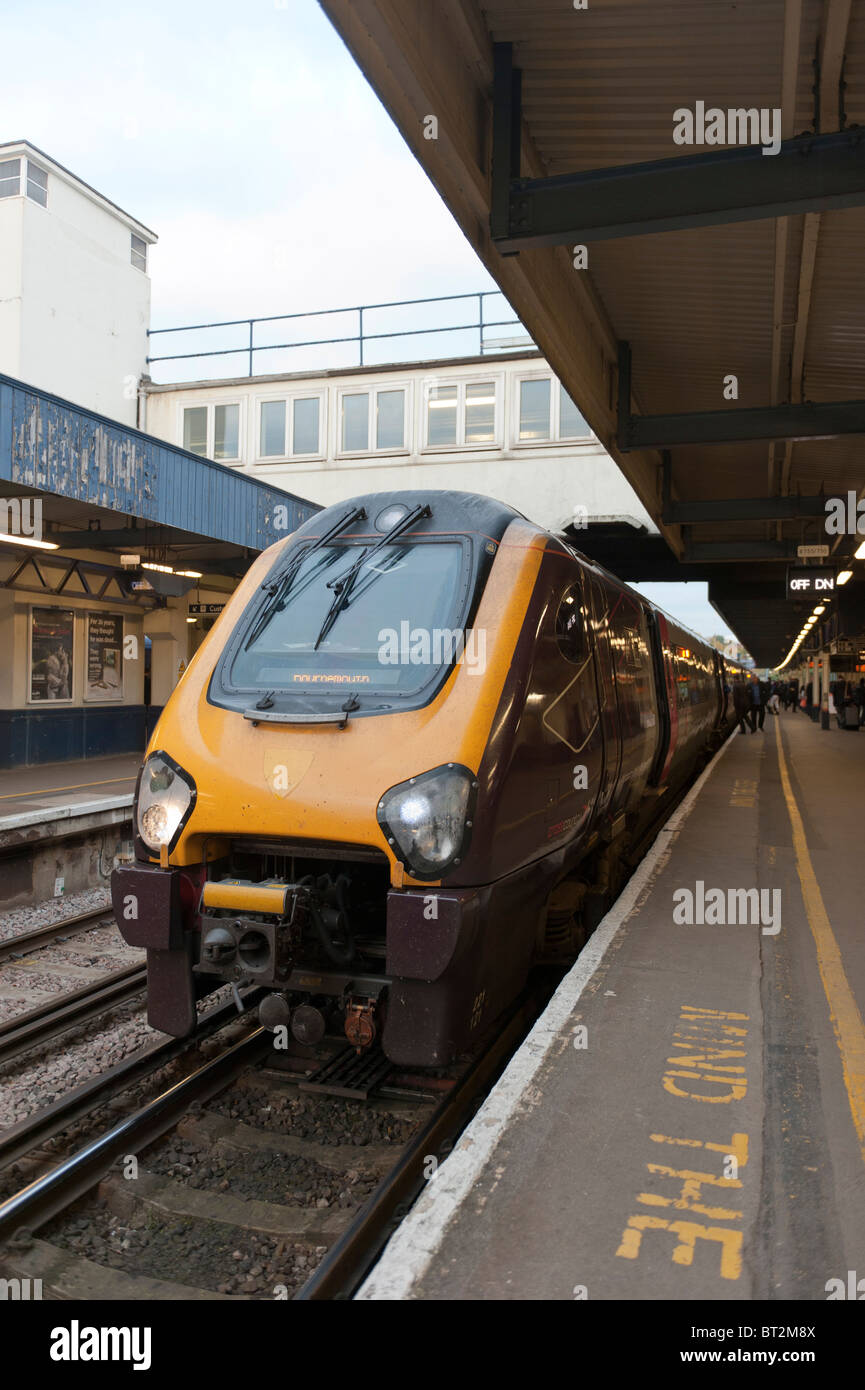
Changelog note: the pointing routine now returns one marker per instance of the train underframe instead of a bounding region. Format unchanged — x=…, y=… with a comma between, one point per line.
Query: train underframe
x=423, y=970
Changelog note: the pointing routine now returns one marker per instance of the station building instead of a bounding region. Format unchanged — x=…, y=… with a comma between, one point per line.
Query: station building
x=498, y=424
x=117, y=550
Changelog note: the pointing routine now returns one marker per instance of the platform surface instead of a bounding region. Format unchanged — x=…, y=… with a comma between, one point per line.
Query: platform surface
x=82, y=784
x=687, y=1120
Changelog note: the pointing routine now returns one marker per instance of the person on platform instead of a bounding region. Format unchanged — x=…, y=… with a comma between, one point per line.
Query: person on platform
x=740, y=705
x=758, y=705
x=859, y=699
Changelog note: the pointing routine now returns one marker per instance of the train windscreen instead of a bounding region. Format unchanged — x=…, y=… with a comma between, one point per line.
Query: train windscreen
x=383, y=624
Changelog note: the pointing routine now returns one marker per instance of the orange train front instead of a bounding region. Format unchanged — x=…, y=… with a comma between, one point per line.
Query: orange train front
x=410, y=759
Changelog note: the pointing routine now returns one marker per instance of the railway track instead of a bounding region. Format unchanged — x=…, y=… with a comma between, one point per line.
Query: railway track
x=332, y=1240
x=26, y=1032
x=17, y=947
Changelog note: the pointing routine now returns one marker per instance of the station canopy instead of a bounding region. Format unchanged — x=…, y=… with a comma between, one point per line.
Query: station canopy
x=672, y=196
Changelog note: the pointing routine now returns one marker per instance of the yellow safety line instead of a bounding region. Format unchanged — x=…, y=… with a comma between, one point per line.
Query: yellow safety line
x=76, y=787
x=843, y=1010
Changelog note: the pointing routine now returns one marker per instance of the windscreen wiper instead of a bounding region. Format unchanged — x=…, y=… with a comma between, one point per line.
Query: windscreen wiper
x=277, y=589
x=343, y=585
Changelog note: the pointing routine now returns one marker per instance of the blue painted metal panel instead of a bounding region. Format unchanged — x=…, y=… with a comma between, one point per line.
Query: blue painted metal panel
x=29, y=737
x=50, y=444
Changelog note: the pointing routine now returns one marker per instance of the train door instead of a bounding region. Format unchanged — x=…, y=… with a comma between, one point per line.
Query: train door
x=606, y=697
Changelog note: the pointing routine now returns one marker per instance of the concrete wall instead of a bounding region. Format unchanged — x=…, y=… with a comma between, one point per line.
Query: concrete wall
x=11, y=268
x=544, y=480
x=83, y=307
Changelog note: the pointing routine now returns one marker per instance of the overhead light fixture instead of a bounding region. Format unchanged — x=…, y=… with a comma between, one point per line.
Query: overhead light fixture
x=821, y=608
x=859, y=554
x=163, y=569
x=189, y=574
x=844, y=576
x=192, y=620
x=28, y=540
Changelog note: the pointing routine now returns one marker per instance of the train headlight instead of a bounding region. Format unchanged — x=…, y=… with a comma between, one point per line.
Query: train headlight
x=166, y=795
x=427, y=819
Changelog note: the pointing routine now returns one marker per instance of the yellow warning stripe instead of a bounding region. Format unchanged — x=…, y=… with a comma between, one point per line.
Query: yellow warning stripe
x=74, y=787
x=843, y=1010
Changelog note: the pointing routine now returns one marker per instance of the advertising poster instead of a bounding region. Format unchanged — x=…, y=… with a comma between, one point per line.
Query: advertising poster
x=104, y=657
x=51, y=648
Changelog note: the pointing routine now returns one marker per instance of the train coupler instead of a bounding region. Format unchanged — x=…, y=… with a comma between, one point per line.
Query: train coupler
x=360, y=1023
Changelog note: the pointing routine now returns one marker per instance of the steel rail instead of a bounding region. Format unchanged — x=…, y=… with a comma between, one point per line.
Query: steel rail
x=351, y=1257
x=51, y=1194
x=58, y=1015
x=26, y=942
x=51, y=1120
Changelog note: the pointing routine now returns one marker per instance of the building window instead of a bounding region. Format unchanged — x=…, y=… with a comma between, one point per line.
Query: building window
x=226, y=432
x=212, y=431
x=547, y=412
x=355, y=423
x=272, y=430
x=571, y=423
x=480, y=412
x=535, y=409
x=389, y=419
x=37, y=184
x=10, y=178
x=195, y=429
x=461, y=413
x=138, y=254
x=442, y=407
x=372, y=420
x=305, y=413
x=289, y=428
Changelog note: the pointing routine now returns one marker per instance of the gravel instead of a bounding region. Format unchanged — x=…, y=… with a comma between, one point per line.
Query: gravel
x=206, y=1254
x=284, y=1179
x=329, y=1121
x=21, y=919
x=28, y=1084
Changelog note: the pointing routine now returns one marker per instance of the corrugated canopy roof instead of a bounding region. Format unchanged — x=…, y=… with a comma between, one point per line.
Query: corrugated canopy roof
x=778, y=301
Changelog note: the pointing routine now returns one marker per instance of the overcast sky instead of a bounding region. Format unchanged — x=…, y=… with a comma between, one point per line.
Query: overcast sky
x=245, y=136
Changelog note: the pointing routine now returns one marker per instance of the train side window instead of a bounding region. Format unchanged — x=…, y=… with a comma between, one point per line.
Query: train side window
x=571, y=627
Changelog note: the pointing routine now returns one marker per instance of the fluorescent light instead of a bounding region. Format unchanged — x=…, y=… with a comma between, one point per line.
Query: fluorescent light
x=163, y=569
x=28, y=540
x=844, y=576
x=821, y=608
x=189, y=574
x=192, y=620
x=860, y=553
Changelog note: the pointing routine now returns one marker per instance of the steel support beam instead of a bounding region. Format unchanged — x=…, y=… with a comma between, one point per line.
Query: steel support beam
x=743, y=509
x=731, y=552
x=810, y=173
x=826, y=420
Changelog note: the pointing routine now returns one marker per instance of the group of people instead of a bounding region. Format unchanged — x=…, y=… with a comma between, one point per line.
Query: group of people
x=751, y=699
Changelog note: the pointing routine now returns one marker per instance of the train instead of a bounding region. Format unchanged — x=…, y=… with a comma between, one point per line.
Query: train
x=413, y=757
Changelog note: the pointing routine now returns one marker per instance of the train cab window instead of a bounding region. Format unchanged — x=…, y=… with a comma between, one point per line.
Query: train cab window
x=571, y=627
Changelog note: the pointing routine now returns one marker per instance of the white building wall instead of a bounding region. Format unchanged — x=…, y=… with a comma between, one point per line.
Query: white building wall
x=548, y=481
x=83, y=307
x=11, y=266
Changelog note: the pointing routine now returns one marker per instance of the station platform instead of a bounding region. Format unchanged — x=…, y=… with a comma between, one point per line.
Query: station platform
x=687, y=1118
x=34, y=793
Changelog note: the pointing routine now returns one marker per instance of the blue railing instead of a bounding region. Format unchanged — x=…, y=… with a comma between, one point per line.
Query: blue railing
x=481, y=324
